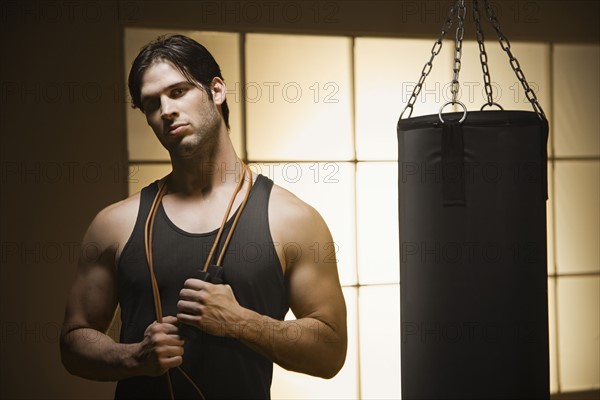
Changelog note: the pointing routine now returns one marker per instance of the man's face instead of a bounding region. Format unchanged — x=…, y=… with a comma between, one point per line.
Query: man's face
x=181, y=114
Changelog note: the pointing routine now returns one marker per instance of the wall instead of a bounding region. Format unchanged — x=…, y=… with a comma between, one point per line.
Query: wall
x=62, y=141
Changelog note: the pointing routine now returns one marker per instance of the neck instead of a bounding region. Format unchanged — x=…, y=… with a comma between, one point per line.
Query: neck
x=200, y=173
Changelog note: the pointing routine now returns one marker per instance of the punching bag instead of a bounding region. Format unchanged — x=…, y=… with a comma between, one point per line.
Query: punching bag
x=473, y=274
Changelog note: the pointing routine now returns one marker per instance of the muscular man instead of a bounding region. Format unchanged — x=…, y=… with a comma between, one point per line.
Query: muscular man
x=224, y=337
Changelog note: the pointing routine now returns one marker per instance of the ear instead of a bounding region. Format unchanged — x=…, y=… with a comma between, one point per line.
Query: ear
x=219, y=90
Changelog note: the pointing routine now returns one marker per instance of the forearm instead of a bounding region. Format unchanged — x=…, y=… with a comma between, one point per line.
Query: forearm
x=91, y=354
x=305, y=345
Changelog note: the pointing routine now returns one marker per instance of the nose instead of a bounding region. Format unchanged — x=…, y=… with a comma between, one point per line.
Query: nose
x=167, y=108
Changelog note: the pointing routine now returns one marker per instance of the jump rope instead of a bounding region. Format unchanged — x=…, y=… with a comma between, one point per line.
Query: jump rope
x=211, y=272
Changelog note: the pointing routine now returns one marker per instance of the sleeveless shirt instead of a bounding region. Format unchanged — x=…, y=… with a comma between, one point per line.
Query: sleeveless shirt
x=221, y=367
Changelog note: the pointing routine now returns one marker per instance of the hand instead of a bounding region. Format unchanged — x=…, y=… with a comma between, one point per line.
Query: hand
x=162, y=347
x=212, y=308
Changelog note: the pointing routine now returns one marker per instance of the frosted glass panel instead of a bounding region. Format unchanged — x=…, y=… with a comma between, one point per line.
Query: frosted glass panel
x=579, y=323
x=377, y=222
x=141, y=175
x=292, y=385
x=379, y=310
x=329, y=188
x=298, y=96
x=141, y=141
x=386, y=71
x=577, y=216
x=577, y=99
x=534, y=59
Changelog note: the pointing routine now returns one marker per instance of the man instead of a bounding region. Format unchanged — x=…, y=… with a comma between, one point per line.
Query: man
x=212, y=340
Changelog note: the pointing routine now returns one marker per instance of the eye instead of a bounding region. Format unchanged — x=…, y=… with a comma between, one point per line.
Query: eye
x=150, y=106
x=176, y=92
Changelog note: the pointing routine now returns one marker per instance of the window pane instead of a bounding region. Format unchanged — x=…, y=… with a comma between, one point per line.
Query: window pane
x=298, y=96
x=577, y=216
x=534, y=59
x=377, y=222
x=141, y=175
x=579, y=317
x=141, y=142
x=550, y=227
x=577, y=99
x=329, y=188
x=292, y=385
x=379, y=310
x=386, y=71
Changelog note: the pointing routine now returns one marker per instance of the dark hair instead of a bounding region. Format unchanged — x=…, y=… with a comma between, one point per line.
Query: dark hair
x=188, y=56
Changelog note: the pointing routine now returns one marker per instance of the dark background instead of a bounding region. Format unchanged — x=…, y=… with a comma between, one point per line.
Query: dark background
x=63, y=137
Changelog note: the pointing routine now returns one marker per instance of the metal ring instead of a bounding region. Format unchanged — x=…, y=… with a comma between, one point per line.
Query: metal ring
x=491, y=104
x=453, y=102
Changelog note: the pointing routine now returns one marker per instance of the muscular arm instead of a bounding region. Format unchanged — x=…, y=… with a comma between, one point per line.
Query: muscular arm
x=315, y=343
x=86, y=349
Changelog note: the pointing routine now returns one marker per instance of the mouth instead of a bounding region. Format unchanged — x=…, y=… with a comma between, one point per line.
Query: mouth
x=175, y=129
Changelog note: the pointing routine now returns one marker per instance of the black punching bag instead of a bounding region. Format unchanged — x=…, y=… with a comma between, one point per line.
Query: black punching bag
x=473, y=275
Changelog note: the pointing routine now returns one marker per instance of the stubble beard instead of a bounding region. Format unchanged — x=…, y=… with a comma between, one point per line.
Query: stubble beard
x=202, y=144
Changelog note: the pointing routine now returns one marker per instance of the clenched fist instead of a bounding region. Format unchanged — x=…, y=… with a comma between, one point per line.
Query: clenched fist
x=212, y=308
x=161, y=349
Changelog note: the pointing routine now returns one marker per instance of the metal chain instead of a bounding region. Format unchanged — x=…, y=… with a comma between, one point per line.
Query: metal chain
x=487, y=80
x=435, y=50
x=460, y=31
x=514, y=63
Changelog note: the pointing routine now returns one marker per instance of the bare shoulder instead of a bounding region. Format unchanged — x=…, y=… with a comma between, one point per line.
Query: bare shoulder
x=293, y=220
x=111, y=227
x=287, y=202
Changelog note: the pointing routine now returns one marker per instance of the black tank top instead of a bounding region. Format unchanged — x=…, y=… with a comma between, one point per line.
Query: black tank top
x=221, y=367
